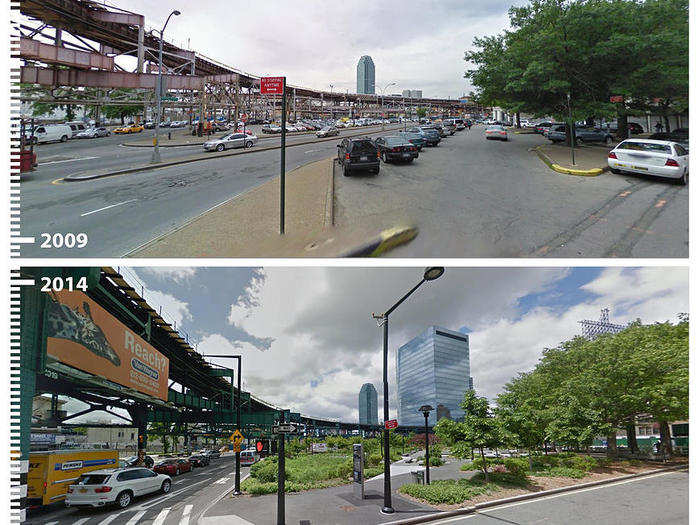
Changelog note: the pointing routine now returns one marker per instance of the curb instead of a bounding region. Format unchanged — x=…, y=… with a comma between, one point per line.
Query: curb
x=263, y=136
x=567, y=171
x=149, y=167
x=535, y=495
x=329, y=215
x=384, y=242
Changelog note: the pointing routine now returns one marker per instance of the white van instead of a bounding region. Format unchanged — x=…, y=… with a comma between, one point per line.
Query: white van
x=76, y=127
x=249, y=457
x=51, y=132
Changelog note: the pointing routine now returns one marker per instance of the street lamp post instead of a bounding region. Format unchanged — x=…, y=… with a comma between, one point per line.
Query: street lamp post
x=430, y=274
x=159, y=86
x=426, y=412
x=572, y=139
x=237, y=482
x=331, y=86
x=384, y=89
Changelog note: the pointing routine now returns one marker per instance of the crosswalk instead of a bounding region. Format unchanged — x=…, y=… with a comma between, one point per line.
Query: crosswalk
x=168, y=515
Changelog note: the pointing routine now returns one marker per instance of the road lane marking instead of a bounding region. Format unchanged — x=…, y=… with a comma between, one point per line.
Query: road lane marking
x=167, y=496
x=81, y=521
x=69, y=160
x=57, y=181
x=109, y=519
x=135, y=518
x=186, y=515
x=51, y=523
x=160, y=519
x=624, y=194
x=221, y=481
x=660, y=203
x=106, y=208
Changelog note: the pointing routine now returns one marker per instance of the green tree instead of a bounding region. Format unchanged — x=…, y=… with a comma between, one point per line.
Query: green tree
x=480, y=426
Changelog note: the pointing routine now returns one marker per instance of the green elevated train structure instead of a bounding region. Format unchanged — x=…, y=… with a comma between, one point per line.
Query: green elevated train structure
x=201, y=397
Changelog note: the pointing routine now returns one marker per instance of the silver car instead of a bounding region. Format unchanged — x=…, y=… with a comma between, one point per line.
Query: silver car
x=232, y=140
x=93, y=133
x=327, y=131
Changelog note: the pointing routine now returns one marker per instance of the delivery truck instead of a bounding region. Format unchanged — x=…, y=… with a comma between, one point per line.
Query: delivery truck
x=50, y=472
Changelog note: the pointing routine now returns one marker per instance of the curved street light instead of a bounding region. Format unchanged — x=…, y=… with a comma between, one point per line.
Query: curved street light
x=430, y=274
x=383, y=90
x=155, y=158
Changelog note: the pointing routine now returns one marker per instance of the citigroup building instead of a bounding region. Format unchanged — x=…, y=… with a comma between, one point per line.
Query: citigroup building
x=433, y=369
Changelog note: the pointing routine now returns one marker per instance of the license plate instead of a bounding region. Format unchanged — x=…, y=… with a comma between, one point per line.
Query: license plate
x=363, y=158
x=640, y=168
x=83, y=491
x=406, y=155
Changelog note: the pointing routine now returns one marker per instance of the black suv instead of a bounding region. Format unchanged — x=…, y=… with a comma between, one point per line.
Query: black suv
x=358, y=154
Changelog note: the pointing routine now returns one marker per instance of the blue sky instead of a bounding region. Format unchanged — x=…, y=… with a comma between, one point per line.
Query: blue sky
x=309, y=342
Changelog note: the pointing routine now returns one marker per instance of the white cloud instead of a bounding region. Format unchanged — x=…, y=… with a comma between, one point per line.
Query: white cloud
x=179, y=274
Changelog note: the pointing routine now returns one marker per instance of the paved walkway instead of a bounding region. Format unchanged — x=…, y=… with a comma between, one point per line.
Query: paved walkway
x=332, y=506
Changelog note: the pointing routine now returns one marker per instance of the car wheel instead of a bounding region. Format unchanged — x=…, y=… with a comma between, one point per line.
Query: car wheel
x=383, y=156
x=684, y=179
x=64, y=138
x=346, y=171
x=249, y=144
x=220, y=147
x=165, y=487
x=124, y=499
x=616, y=172
x=177, y=471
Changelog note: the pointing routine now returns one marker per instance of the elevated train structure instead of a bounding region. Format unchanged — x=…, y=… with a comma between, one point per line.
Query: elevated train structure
x=74, y=43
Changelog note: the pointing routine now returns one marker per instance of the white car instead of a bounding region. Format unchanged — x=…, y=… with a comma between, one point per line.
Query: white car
x=116, y=486
x=662, y=158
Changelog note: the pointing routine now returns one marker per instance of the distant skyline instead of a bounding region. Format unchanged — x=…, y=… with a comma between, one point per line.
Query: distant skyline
x=309, y=342
x=317, y=43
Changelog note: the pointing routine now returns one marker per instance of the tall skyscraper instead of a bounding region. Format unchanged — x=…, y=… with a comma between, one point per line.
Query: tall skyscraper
x=365, y=76
x=433, y=369
x=368, y=405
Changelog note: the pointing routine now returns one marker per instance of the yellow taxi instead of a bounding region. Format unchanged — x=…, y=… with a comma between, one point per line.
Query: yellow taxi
x=133, y=128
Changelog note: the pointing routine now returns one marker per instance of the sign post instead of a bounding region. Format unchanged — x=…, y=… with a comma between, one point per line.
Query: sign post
x=391, y=424
x=282, y=428
x=278, y=86
x=358, y=471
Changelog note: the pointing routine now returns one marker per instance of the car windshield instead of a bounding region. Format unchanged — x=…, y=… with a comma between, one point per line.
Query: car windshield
x=645, y=146
x=226, y=137
x=92, y=479
x=494, y=128
x=394, y=141
x=327, y=128
x=362, y=146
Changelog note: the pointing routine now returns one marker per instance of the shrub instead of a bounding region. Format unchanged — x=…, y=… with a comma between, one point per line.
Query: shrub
x=434, y=461
x=373, y=460
x=500, y=475
x=445, y=491
x=518, y=466
x=565, y=472
x=584, y=463
x=545, y=462
x=373, y=471
x=266, y=471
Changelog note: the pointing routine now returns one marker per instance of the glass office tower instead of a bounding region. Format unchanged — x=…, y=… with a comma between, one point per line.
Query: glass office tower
x=368, y=405
x=365, y=76
x=433, y=369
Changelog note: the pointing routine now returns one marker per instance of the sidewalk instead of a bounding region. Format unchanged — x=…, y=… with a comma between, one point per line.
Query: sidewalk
x=590, y=160
x=331, y=506
x=248, y=224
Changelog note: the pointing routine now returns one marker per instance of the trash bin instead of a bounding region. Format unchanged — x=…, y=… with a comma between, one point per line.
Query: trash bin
x=418, y=476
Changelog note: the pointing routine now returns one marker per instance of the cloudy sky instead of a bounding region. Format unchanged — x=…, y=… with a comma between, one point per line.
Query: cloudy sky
x=309, y=341
x=315, y=43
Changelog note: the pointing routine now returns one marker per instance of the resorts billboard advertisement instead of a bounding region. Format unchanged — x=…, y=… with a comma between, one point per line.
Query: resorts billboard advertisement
x=82, y=334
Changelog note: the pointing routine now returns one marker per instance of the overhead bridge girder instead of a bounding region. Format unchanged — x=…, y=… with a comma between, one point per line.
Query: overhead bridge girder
x=131, y=19
x=105, y=79
x=30, y=49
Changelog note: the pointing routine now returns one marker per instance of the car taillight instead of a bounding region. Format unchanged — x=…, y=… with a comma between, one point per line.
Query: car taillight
x=379, y=155
x=671, y=162
x=612, y=155
x=395, y=150
x=103, y=488
x=502, y=132
x=347, y=156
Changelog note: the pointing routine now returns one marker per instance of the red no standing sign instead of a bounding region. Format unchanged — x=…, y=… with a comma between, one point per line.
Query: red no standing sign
x=272, y=85
x=392, y=423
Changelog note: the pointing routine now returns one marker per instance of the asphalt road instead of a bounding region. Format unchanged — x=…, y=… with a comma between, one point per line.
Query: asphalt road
x=191, y=494
x=651, y=500
x=470, y=197
x=122, y=212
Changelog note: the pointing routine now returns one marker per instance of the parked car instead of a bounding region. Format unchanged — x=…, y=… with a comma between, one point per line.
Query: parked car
x=92, y=133
x=449, y=126
x=394, y=148
x=49, y=133
x=271, y=129
x=211, y=453
x=543, y=127
x=76, y=127
x=149, y=124
x=115, y=487
x=232, y=140
x=431, y=136
x=132, y=128
x=496, y=132
x=634, y=128
x=662, y=158
x=131, y=461
x=199, y=460
x=557, y=133
x=416, y=139
x=328, y=131
x=358, y=154
x=173, y=467
x=677, y=135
